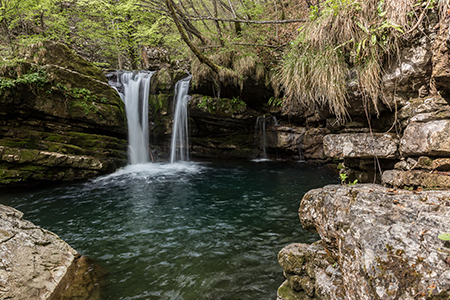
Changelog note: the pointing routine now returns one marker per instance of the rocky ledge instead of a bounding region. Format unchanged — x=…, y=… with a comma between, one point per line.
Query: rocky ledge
x=37, y=264
x=376, y=243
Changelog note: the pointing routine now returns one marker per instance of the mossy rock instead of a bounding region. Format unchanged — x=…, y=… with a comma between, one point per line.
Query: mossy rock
x=59, y=54
x=285, y=292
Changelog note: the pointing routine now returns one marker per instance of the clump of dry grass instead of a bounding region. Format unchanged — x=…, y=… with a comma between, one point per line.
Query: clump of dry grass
x=234, y=69
x=357, y=35
x=311, y=77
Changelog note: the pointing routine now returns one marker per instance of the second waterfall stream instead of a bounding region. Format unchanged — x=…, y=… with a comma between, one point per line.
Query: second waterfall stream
x=180, y=130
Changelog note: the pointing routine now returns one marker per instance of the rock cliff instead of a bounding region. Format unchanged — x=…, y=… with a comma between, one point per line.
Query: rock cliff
x=59, y=119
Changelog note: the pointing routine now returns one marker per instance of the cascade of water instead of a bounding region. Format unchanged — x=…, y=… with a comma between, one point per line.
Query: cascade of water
x=260, y=129
x=180, y=137
x=135, y=90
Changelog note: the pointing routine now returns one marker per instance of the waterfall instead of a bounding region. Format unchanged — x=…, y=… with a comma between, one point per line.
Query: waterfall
x=260, y=129
x=180, y=138
x=134, y=88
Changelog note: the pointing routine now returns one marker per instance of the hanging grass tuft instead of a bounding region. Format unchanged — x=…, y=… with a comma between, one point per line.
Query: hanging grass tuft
x=344, y=36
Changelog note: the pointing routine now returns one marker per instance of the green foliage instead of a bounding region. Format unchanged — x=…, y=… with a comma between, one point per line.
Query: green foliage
x=343, y=177
x=35, y=78
x=353, y=183
x=277, y=102
x=107, y=30
x=444, y=236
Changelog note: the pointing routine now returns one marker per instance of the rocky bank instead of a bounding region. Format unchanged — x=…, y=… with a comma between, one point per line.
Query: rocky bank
x=376, y=243
x=37, y=264
x=381, y=241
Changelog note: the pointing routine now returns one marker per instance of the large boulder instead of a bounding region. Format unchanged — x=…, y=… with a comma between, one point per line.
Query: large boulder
x=35, y=264
x=384, y=241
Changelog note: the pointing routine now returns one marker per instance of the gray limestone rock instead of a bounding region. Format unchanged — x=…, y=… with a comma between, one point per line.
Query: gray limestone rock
x=385, y=241
x=428, y=138
x=33, y=261
x=360, y=145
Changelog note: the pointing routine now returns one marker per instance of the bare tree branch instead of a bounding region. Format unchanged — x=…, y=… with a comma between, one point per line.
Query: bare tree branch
x=246, y=21
x=185, y=38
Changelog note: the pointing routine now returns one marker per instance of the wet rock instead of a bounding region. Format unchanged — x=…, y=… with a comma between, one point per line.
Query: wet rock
x=286, y=138
x=383, y=240
x=426, y=138
x=361, y=145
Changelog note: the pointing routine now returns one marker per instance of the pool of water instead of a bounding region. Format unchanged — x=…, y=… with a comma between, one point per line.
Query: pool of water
x=196, y=230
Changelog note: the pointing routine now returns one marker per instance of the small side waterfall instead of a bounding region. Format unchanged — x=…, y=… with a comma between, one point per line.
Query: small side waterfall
x=180, y=137
x=260, y=130
x=134, y=88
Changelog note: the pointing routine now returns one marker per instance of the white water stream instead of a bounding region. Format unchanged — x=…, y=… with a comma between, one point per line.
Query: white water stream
x=180, y=137
x=136, y=88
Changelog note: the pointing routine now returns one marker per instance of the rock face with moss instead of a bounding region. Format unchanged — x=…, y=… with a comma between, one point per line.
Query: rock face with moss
x=59, y=119
x=378, y=243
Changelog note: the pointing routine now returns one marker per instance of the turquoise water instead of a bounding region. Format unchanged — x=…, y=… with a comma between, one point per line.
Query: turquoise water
x=185, y=230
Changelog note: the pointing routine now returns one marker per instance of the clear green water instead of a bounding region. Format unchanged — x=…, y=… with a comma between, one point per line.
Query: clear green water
x=185, y=230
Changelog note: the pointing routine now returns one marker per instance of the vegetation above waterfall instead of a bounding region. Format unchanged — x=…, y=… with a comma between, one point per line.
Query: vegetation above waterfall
x=349, y=41
x=313, y=47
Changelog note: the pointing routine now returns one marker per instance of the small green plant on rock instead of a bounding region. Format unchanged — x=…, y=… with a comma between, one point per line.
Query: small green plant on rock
x=214, y=105
x=11, y=76
x=444, y=236
x=353, y=183
x=343, y=177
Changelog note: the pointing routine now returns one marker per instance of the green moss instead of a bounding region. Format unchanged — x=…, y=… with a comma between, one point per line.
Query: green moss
x=17, y=75
x=286, y=293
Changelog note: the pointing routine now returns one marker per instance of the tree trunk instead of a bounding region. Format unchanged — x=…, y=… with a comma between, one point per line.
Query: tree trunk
x=185, y=38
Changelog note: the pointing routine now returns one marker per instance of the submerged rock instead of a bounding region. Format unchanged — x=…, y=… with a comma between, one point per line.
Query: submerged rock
x=37, y=264
x=384, y=241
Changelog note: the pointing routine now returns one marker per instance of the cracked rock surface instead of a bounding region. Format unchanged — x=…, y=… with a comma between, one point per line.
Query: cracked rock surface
x=33, y=261
x=383, y=242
